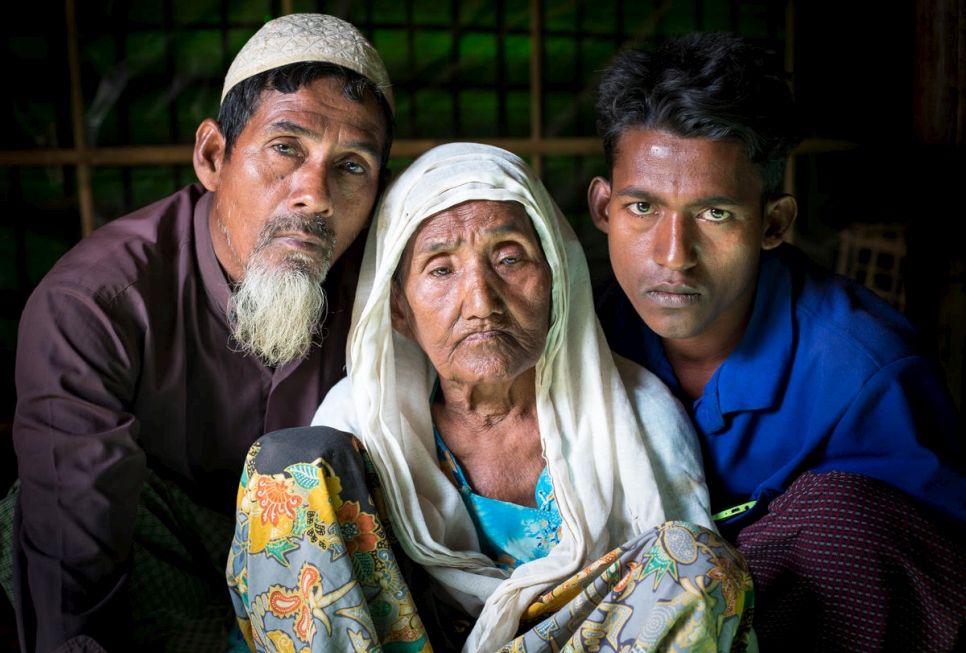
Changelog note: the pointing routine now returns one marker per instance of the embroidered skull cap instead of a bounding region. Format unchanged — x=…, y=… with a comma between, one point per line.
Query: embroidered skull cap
x=309, y=37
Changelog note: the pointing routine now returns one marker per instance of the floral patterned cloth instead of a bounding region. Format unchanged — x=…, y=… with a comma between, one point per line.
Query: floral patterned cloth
x=314, y=566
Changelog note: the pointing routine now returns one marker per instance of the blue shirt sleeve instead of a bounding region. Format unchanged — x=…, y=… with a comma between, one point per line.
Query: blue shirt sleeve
x=901, y=429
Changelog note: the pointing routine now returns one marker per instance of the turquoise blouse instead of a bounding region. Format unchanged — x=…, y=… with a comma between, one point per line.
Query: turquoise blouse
x=509, y=534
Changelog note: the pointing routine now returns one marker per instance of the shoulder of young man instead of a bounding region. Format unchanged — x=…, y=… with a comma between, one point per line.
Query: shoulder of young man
x=835, y=306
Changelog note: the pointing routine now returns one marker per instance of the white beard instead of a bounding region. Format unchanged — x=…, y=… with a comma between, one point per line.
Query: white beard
x=277, y=307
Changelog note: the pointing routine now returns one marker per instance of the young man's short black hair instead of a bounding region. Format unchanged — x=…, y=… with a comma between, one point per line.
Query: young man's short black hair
x=705, y=85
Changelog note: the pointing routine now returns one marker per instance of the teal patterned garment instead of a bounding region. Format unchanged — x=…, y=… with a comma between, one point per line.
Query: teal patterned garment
x=509, y=534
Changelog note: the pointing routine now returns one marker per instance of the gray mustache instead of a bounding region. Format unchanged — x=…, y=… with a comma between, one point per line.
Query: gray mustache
x=313, y=226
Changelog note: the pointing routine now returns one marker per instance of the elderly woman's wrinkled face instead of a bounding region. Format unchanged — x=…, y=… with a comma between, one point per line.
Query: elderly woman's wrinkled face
x=474, y=291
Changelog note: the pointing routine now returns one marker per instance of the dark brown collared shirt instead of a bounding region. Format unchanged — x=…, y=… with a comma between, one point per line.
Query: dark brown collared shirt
x=125, y=361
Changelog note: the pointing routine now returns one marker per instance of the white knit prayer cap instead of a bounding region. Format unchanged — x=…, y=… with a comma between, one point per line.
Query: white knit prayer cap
x=309, y=37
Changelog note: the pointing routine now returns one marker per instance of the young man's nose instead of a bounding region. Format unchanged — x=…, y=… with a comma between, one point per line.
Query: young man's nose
x=675, y=244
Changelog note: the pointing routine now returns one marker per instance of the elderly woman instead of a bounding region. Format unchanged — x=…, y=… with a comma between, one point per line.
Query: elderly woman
x=507, y=490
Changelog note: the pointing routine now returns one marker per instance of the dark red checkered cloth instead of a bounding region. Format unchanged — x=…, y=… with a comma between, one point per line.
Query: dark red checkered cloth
x=842, y=562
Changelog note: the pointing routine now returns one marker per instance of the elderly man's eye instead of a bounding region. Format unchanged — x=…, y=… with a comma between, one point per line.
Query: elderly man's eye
x=284, y=148
x=441, y=271
x=510, y=260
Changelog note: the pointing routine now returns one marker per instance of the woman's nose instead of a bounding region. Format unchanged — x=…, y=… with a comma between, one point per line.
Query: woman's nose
x=481, y=297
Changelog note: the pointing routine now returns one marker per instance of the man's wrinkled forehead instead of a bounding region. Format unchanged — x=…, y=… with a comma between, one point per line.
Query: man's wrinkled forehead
x=319, y=110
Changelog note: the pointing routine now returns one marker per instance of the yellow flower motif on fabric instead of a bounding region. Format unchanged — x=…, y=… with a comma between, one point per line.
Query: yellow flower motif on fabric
x=333, y=484
x=283, y=643
x=259, y=535
x=319, y=501
x=327, y=483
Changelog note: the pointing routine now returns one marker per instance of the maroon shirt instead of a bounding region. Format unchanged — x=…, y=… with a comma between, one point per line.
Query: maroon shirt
x=125, y=361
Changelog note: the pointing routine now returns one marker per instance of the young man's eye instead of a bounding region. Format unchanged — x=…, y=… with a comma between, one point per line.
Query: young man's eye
x=353, y=167
x=716, y=215
x=642, y=208
x=284, y=149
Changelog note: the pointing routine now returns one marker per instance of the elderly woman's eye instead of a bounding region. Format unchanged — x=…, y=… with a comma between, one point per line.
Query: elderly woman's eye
x=440, y=271
x=510, y=260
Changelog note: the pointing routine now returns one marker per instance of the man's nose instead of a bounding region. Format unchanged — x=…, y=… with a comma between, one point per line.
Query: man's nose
x=675, y=245
x=310, y=190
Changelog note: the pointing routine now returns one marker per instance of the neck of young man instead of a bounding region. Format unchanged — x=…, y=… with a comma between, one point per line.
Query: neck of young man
x=696, y=359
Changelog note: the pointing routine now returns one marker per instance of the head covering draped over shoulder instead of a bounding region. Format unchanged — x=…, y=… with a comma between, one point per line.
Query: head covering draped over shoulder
x=592, y=441
x=308, y=37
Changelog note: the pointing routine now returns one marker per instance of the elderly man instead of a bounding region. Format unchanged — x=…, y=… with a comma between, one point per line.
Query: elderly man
x=158, y=349
x=829, y=441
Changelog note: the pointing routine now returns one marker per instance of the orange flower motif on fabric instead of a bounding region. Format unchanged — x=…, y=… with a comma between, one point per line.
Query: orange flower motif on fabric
x=298, y=602
x=275, y=498
x=359, y=530
x=632, y=567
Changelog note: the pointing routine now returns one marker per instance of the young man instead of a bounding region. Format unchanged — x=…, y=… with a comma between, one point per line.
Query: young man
x=830, y=443
x=158, y=349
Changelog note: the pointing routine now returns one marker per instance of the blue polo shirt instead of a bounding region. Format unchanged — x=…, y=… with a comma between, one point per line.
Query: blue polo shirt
x=827, y=377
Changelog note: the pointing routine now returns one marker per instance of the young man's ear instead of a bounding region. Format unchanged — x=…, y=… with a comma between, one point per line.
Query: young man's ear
x=598, y=199
x=209, y=154
x=399, y=312
x=780, y=214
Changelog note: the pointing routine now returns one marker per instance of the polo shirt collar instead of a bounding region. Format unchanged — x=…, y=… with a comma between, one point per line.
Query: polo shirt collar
x=754, y=376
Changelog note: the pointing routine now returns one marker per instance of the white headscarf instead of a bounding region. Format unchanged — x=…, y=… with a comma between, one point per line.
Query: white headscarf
x=609, y=484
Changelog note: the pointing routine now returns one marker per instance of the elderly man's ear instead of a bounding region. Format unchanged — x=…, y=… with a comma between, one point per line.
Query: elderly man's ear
x=399, y=312
x=779, y=217
x=209, y=154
